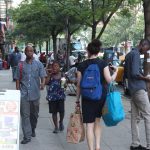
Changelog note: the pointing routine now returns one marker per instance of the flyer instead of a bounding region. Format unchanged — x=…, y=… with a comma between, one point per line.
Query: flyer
x=9, y=119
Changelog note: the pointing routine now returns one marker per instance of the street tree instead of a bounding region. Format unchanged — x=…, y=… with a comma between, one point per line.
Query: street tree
x=74, y=22
x=97, y=14
x=123, y=28
x=46, y=18
x=40, y=22
x=30, y=20
x=146, y=6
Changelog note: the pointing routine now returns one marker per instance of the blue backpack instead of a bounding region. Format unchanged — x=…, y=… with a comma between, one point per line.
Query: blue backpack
x=91, y=87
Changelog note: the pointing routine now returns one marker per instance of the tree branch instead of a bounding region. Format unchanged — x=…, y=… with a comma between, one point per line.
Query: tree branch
x=75, y=30
x=108, y=19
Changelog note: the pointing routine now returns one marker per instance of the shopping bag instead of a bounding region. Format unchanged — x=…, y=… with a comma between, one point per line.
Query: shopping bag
x=113, y=111
x=75, y=129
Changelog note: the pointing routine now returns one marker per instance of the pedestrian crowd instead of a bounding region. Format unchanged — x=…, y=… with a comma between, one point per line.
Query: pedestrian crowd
x=32, y=75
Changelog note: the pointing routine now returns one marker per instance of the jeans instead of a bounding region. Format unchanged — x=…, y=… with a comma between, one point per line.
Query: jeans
x=14, y=69
x=29, y=115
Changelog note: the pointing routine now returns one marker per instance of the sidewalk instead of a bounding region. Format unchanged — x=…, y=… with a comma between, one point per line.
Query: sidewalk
x=113, y=138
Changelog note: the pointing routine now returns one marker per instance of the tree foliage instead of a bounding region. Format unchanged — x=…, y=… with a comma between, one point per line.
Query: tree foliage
x=124, y=28
x=39, y=19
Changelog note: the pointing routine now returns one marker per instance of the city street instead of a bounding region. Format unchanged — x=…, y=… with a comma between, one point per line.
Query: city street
x=113, y=138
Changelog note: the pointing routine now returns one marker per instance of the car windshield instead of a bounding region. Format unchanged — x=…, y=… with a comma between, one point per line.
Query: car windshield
x=76, y=46
x=116, y=62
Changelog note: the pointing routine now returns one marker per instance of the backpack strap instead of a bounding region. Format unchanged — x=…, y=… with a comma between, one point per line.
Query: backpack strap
x=20, y=70
x=53, y=78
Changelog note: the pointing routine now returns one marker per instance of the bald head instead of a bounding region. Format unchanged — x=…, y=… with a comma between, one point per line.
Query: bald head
x=144, y=46
x=29, y=52
x=28, y=47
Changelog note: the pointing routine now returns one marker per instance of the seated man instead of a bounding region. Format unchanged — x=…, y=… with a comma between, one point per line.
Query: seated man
x=71, y=74
x=72, y=61
x=71, y=80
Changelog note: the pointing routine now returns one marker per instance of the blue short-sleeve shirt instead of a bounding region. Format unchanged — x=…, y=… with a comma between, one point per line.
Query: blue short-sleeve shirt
x=29, y=77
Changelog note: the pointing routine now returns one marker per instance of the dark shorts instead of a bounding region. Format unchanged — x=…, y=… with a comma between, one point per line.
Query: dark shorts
x=56, y=106
x=91, y=110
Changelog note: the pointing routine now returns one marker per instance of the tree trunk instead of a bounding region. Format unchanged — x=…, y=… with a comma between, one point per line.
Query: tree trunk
x=93, y=20
x=54, y=38
x=68, y=44
x=146, y=5
x=46, y=47
x=40, y=47
x=93, y=31
x=49, y=44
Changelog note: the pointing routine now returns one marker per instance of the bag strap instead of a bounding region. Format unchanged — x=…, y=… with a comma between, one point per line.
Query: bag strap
x=20, y=70
x=112, y=87
x=53, y=78
x=77, y=107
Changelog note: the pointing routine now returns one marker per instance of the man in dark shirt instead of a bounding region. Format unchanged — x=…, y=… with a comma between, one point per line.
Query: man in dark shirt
x=140, y=101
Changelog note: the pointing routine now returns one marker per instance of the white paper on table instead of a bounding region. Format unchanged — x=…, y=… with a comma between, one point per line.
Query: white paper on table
x=9, y=119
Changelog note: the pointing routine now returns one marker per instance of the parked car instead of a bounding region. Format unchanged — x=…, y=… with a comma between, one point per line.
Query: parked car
x=82, y=53
x=119, y=78
x=119, y=63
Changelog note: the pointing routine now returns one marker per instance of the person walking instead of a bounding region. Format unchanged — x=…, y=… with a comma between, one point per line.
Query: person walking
x=140, y=104
x=56, y=96
x=92, y=109
x=14, y=59
x=29, y=73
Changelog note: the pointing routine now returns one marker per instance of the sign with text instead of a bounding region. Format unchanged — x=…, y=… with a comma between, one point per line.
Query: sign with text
x=9, y=119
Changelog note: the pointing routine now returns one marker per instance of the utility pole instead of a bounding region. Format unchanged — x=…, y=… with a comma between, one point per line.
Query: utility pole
x=146, y=6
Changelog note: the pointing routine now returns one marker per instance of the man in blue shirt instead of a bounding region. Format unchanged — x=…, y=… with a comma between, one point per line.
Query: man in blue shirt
x=140, y=102
x=14, y=59
x=30, y=79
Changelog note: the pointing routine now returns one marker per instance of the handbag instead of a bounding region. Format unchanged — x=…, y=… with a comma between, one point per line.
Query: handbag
x=113, y=111
x=75, y=129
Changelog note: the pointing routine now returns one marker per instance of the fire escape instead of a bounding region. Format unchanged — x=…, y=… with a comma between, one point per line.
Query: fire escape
x=4, y=23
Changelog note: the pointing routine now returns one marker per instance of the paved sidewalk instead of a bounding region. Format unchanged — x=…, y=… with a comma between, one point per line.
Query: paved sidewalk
x=113, y=138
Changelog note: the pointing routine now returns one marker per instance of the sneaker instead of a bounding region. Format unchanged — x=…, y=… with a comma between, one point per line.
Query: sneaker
x=61, y=127
x=25, y=141
x=140, y=147
x=56, y=130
